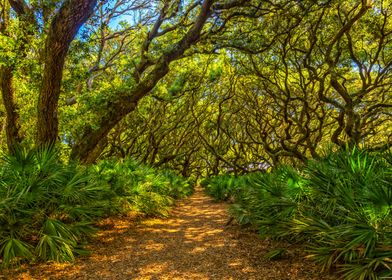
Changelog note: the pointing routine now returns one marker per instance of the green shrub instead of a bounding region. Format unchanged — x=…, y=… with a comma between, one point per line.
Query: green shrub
x=46, y=208
x=141, y=188
x=270, y=200
x=349, y=214
x=221, y=187
x=339, y=206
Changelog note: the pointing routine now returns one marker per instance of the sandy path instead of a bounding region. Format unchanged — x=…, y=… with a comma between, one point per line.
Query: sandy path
x=193, y=243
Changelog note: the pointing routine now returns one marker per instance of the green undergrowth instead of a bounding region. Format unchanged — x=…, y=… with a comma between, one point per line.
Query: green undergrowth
x=141, y=188
x=48, y=208
x=338, y=207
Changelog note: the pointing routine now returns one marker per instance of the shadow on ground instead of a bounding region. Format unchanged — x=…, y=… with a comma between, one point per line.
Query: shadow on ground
x=194, y=243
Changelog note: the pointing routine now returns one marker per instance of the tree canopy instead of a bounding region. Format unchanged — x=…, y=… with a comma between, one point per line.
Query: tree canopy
x=197, y=86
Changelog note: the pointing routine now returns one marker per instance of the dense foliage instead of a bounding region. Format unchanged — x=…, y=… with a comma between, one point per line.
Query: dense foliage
x=48, y=208
x=339, y=207
x=139, y=187
x=201, y=87
x=250, y=83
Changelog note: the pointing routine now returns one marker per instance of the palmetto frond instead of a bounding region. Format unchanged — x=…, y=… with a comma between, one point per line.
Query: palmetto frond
x=341, y=206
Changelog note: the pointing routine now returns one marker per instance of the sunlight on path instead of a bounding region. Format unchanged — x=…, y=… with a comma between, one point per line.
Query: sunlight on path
x=193, y=243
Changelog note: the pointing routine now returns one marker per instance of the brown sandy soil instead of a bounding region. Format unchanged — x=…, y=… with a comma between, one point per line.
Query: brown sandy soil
x=194, y=243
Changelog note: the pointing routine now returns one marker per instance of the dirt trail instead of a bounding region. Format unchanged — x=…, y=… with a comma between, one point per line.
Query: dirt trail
x=194, y=243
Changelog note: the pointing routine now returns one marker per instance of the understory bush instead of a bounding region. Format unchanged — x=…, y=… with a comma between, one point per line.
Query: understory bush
x=339, y=206
x=141, y=188
x=48, y=208
x=221, y=187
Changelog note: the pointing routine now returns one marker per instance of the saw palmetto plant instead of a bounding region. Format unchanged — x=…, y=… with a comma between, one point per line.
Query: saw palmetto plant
x=339, y=207
x=46, y=208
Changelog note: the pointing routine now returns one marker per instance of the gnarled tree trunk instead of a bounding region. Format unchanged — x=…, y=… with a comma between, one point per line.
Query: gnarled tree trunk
x=12, y=127
x=65, y=25
x=12, y=121
x=86, y=149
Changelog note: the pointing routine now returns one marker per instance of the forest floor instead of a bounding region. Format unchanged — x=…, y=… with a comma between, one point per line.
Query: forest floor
x=193, y=243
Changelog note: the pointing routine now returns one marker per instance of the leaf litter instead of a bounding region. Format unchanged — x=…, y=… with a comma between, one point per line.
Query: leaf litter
x=195, y=242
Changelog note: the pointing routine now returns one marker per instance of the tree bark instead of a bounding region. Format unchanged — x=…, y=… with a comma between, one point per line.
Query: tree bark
x=126, y=102
x=12, y=123
x=64, y=27
x=20, y=7
x=12, y=126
